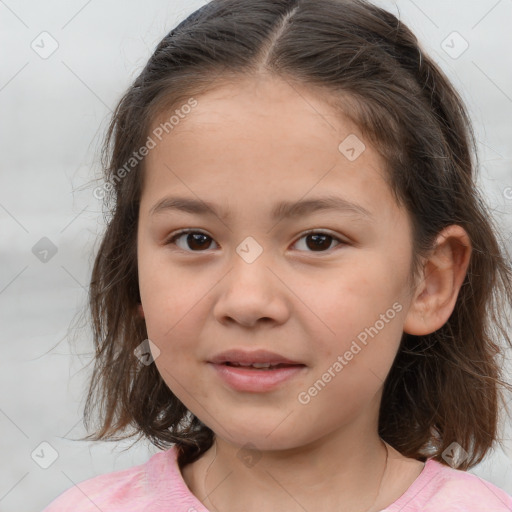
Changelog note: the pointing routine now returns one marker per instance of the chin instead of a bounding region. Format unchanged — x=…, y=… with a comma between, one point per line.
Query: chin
x=268, y=436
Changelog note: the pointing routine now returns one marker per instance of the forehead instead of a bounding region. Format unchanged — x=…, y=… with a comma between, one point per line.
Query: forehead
x=262, y=102
x=257, y=136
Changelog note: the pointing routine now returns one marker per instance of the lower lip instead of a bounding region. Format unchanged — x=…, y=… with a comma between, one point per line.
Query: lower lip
x=255, y=381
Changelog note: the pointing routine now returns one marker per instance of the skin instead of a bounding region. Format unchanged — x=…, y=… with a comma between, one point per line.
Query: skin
x=245, y=147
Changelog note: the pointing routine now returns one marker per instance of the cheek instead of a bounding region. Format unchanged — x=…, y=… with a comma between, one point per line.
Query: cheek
x=363, y=315
x=170, y=307
x=158, y=292
x=175, y=305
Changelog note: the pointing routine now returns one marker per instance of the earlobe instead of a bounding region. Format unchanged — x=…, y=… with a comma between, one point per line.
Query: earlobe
x=140, y=311
x=436, y=293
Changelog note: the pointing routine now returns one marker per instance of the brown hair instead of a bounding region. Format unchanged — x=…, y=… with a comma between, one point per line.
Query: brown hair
x=442, y=387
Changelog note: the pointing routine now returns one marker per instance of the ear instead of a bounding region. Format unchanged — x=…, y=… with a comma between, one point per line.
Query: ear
x=438, y=287
x=140, y=311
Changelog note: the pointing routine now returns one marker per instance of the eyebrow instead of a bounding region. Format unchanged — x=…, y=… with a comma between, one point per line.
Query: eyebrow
x=284, y=209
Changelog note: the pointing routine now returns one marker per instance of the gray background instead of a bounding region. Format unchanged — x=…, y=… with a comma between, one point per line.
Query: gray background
x=54, y=112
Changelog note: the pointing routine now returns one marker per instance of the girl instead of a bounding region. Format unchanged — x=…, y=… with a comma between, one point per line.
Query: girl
x=275, y=370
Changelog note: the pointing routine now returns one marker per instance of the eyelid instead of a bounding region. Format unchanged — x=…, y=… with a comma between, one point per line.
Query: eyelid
x=321, y=231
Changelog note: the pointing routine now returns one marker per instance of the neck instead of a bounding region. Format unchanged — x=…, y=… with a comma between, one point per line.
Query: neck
x=228, y=479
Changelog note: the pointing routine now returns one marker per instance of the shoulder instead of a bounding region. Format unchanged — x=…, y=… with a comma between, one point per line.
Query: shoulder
x=466, y=492
x=441, y=488
x=130, y=489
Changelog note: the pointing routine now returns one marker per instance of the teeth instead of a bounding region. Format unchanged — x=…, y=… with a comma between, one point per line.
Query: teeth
x=254, y=365
x=261, y=365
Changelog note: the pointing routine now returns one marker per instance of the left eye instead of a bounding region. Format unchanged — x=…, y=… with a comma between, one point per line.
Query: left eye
x=319, y=240
x=197, y=240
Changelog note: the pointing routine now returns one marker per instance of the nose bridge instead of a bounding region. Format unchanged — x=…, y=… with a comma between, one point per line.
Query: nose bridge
x=250, y=272
x=250, y=290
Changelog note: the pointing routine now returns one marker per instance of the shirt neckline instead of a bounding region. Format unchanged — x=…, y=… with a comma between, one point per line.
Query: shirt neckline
x=430, y=469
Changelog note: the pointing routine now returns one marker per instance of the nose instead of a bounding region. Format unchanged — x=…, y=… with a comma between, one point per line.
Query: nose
x=252, y=293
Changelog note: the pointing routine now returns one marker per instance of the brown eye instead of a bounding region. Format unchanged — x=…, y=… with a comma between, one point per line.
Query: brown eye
x=194, y=241
x=197, y=241
x=319, y=241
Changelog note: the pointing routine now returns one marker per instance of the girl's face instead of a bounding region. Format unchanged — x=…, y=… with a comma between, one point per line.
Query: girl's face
x=246, y=170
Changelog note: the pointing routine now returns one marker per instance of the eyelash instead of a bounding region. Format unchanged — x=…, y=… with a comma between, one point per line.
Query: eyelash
x=175, y=236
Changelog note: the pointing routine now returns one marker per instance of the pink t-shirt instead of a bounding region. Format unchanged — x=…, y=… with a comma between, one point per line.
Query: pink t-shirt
x=157, y=486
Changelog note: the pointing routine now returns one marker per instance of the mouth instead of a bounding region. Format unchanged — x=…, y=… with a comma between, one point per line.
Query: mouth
x=255, y=371
x=260, y=366
x=256, y=359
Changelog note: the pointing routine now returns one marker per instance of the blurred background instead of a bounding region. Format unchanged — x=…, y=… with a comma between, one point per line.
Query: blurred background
x=64, y=67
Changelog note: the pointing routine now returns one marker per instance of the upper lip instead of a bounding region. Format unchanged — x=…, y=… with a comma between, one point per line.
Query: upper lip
x=248, y=357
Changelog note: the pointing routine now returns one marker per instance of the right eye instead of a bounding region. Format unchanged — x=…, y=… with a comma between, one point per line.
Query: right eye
x=195, y=240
